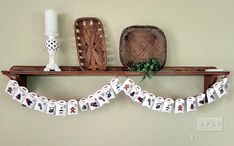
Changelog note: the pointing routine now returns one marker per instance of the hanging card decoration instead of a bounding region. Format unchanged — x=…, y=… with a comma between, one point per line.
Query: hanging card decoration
x=51, y=105
x=108, y=92
x=210, y=93
x=224, y=83
x=99, y=95
x=127, y=86
x=72, y=107
x=191, y=104
x=61, y=108
x=139, y=98
x=93, y=103
x=135, y=90
x=11, y=87
x=158, y=104
x=20, y=94
x=168, y=105
x=179, y=105
x=30, y=100
x=201, y=99
x=149, y=100
x=41, y=103
x=115, y=84
x=83, y=104
x=219, y=89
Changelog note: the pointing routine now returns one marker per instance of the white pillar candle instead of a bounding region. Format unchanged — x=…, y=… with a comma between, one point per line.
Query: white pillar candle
x=51, y=22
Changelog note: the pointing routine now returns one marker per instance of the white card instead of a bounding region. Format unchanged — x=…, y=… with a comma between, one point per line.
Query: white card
x=179, y=105
x=99, y=95
x=30, y=100
x=41, y=103
x=201, y=99
x=11, y=87
x=61, y=108
x=50, y=108
x=139, y=98
x=210, y=93
x=149, y=100
x=191, y=104
x=224, y=82
x=135, y=90
x=72, y=107
x=168, y=105
x=108, y=92
x=83, y=104
x=158, y=104
x=219, y=89
x=115, y=85
x=20, y=94
x=93, y=103
x=127, y=86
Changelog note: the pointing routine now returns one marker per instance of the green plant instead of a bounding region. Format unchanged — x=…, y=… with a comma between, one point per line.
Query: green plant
x=148, y=67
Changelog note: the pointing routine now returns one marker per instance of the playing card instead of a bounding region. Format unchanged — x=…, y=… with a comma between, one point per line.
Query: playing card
x=201, y=99
x=191, y=104
x=108, y=92
x=93, y=103
x=149, y=100
x=210, y=93
x=41, y=103
x=72, y=107
x=51, y=105
x=168, y=105
x=20, y=94
x=127, y=86
x=11, y=87
x=158, y=104
x=139, y=98
x=61, y=108
x=135, y=90
x=83, y=104
x=30, y=100
x=99, y=95
x=219, y=89
x=179, y=105
x=115, y=85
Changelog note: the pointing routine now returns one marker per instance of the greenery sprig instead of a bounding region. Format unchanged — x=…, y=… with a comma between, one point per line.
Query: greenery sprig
x=152, y=65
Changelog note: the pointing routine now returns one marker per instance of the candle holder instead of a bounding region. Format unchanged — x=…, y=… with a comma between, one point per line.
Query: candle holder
x=52, y=45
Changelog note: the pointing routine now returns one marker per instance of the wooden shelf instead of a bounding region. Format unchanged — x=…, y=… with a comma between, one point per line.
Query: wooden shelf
x=20, y=73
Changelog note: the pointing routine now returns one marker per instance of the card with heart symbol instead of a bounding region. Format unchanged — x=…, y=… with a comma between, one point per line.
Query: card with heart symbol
x=168, y=105
x=135, y=90
x=41, y=103
x=61, y=108
x=201, y=99
x=191, y=104
x=93, y=102
x=101, y=98
x=179, y=105
x=158, y=104
x=108, y=92
x=127, y=86
x=115, y=85
x=219, y=89
x=139, y=98
x=210, y=93
x=30, y=100
x=20, y=94
x=83, y=104
x=51, y=105
x=149, y=100
x=72, y=107
x=11, y=87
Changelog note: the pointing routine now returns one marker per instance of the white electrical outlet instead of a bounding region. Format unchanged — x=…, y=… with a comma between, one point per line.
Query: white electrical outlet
x=210, y=124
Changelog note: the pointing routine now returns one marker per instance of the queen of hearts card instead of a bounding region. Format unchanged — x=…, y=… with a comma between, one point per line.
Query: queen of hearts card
x=11, y=87
x=158, y=104
x=41, y=103
x=20, y=94
x=72, y=107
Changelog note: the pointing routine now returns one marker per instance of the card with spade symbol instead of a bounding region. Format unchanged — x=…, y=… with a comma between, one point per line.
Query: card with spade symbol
x=135, y=90
x=61, y=108
x=51, y=105
x=108, y=92
x=210, y=93
x=201, y=99
x=219, y=89
x=149, y=100
x=72, y=107
x=139, y=98
x=179, y=105
x=191, y=104
x=127, y=86
x=115, y=85
x=83, y=104
x=20, y=94
x=30, y=100
x=93, y=102
x=158, y=104
x=41, y=103
x=11, y=87
x=168, y=105
x=101, y=98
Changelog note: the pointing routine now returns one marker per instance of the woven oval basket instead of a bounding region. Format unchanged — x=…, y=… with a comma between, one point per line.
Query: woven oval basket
x=138, y=43
x=90, y=43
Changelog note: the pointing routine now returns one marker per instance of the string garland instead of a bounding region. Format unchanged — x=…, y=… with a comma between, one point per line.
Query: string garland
x=110, y=91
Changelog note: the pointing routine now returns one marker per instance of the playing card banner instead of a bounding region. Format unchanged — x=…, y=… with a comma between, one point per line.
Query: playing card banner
x=127, y=86
x=115, y=84
x=191, y=104
x=179, y=106
x=72, y=107
x=149, y=100
x=201, y=99
x=93, y=102
x=51, y=105
x=210, y=93
x=11, y=87
x=219, y=89
x=158, y=104
x=20, y=94
x=168, y=105
x=83, y=104
x=30, y=100
x=61, y=108
x=41, y=103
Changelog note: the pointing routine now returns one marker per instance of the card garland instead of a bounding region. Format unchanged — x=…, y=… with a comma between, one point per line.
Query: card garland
x=108, y=92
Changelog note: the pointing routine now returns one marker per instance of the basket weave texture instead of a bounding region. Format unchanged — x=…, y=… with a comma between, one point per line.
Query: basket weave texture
x=138, y=43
